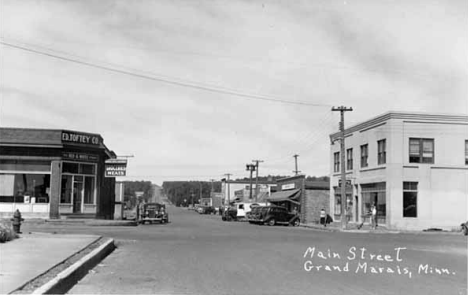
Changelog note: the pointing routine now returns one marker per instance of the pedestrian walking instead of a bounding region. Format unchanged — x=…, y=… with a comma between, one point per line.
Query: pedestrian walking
x=323, y=217
x=374, y=216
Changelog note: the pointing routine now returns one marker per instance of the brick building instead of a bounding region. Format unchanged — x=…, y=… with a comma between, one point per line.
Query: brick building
x=54, y=173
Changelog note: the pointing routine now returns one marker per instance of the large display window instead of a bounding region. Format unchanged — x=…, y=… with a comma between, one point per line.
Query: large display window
x=24, y=188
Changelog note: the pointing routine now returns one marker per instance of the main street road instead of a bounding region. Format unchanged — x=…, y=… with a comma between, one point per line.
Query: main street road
x=200, y=254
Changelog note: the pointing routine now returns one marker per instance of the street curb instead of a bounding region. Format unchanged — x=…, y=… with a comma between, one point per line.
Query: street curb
x=91, y=222
x=111, y=223
x=320, y=228
x=377, y=232
x=65, y=280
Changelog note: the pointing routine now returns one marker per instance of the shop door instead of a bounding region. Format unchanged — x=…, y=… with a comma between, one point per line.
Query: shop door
x=78, y=193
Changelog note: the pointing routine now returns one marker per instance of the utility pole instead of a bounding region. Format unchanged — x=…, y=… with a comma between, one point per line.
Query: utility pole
x=212, y=188
x=256, y=179
x=200, y=191
x=296, y=171
x=342, y=110
x=228, y=194
x=251, y=168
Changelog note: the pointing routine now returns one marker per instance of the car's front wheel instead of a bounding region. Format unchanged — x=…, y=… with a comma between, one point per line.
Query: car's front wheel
x=271, y=222
x=296, y=222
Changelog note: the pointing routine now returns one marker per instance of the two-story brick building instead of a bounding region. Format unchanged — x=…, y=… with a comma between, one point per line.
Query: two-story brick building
x=53, y=173
x=412, y=166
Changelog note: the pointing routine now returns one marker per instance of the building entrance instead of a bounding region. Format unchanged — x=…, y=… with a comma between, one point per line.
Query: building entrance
x=78, y=193
x=78, y=188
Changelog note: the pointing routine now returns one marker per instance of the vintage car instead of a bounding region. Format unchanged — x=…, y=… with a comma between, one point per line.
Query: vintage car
x=229, y=214
x=206, y=210
x=272, y=215
x=152, y=212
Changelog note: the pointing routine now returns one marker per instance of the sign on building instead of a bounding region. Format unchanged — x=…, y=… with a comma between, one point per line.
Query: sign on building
x=80, y=138
x=288, y=186
x=115, y=167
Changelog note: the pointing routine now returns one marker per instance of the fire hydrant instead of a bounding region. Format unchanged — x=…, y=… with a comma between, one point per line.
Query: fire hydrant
x=17, y=221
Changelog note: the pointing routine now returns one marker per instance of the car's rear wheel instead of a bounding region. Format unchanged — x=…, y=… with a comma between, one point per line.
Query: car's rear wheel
x=271, y=222
x=296, y=222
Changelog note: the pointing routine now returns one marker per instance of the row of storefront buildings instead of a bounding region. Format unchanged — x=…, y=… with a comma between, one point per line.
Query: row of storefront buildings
x=412, y=166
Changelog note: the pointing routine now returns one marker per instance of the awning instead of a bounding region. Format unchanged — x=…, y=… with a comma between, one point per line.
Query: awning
x=289, y=195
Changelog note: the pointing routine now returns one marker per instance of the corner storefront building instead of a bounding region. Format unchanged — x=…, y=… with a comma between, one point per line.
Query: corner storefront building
x=412, y=166
x=54, y=174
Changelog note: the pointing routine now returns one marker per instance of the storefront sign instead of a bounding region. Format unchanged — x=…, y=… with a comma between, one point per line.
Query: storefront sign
x=80, y=138
x=115, y=167
x=288, y=186
x=80, y=157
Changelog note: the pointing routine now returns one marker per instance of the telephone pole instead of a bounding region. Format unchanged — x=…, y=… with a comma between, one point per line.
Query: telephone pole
x=212, y=189
x=251, y=168
x=342, y=110
x=228, y=192
x=256, y=179
x=295, y=158
x=201, y=188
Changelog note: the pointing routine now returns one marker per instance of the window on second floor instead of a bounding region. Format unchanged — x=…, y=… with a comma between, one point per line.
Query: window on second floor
x=381, y=152
x=336, y=162
x=421, y=150
x=364, y=155
x=349, y=159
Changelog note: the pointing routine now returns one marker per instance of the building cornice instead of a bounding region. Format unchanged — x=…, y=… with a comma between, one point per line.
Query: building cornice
x=379, y=120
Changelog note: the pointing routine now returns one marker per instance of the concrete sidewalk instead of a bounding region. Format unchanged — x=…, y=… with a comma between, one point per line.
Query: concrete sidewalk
x=32, y=255
x=352, y=228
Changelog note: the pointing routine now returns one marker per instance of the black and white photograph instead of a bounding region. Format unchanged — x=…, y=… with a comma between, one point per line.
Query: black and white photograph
x=235, y=147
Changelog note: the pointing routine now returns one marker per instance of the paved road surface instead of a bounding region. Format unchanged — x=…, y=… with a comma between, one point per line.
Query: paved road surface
x=200, y=254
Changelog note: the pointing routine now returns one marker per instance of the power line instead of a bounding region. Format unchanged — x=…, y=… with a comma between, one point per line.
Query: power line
x=188, y=84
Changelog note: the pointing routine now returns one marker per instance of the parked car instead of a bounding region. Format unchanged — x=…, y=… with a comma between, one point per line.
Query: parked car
x=272, y=215
x=254, y=210
x=206, y=210
x=229, y=214
x=152, y=212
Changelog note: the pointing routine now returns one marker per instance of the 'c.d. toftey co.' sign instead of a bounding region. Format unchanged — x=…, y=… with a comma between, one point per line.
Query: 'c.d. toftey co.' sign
x=80, y=138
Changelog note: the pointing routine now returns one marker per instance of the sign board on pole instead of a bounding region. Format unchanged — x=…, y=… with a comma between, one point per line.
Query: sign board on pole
x=348, y=182
x=115, y=167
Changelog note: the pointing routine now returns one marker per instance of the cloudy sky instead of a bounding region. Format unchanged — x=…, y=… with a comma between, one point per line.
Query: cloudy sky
x=196, y=89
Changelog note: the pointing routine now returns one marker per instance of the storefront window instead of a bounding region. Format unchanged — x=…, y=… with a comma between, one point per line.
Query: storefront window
x=89, y=190
x=374, y=193
x=337, y=204
x=24, y=188
x=70, y=167
x=410, y=199
x=67, y=183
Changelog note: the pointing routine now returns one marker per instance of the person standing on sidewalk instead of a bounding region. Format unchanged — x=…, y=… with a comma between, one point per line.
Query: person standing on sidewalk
x=323, y=217
x=374, y=216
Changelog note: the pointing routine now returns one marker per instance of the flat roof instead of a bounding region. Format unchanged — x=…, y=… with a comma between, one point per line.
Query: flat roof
x=435, y=117
x=38, y=137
